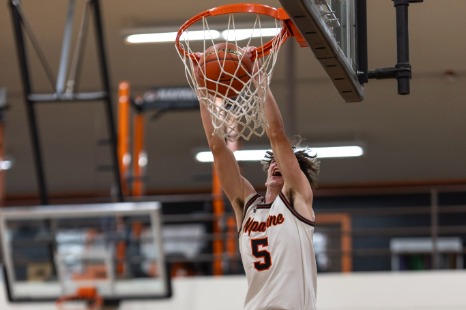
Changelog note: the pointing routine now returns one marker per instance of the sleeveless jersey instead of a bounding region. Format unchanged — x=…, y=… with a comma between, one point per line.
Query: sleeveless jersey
x=278, y=257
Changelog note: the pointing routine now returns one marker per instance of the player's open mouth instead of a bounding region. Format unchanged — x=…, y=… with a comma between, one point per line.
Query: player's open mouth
x=276, y=173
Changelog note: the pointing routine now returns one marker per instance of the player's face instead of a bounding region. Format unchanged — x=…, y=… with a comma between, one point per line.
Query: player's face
x=274, y=176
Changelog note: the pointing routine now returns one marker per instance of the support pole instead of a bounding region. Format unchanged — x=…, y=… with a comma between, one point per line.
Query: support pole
x=123, y=133
x=139, y=155
x=2, y=172
x=434, y=227
x=361, y=39
x=108, y=101
x=75, y=70
x=402, y=70
x=3, y=108
x=402, y=46
x=65, y=51
x=219, y=211
x=346, y=244
x=27, y=89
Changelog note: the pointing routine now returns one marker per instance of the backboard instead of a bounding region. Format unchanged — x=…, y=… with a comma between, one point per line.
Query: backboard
x=51, y=251
x=335, y=31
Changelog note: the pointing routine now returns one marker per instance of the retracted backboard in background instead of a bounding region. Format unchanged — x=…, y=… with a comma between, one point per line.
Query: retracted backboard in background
x=51, y=251
x=330, y=29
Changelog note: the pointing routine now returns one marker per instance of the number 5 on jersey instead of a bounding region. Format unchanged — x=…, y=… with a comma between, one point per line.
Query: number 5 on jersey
x=261, y=254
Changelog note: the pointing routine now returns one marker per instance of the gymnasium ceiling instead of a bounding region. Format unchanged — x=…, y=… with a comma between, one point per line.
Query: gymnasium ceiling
x=415, y=137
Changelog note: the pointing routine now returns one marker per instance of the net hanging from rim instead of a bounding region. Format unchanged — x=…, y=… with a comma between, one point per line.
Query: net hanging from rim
x=243, y=113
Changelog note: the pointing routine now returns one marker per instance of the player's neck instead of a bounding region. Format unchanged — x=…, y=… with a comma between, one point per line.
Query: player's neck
x=272, y=193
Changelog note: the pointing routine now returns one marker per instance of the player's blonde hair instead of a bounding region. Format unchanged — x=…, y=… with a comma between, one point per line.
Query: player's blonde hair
x=308, y=163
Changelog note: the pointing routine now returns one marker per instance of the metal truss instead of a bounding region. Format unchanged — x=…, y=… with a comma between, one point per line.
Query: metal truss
x=64, y=89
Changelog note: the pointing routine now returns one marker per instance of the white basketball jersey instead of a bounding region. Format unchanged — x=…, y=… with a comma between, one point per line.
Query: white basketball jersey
x=276, y=249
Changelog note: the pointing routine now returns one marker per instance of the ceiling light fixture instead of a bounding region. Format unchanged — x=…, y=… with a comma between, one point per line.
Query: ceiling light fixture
x=171, y=36
x=161, y=36
x=5, y=164
x=242, y=34
x=258, y=155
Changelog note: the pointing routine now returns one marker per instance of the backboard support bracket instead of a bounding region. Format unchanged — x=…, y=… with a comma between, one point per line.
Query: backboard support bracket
x=336, y=32
x=402, y=70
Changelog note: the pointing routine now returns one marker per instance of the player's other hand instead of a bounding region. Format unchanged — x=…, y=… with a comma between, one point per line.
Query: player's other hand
x=249, y=51
x=202, y=93
x=257, y=73
x=195, y=62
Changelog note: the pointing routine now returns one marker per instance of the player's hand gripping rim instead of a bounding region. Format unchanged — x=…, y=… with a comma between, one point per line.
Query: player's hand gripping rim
x=258, y=76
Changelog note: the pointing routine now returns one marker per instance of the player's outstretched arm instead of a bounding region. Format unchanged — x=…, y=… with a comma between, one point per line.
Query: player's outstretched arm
x=236, y=187
x=296, y=186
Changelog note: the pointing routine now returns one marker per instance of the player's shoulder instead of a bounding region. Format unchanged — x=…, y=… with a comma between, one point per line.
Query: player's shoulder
x=251, y=199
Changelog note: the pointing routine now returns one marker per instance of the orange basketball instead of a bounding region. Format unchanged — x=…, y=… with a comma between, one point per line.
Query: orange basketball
x=236, y=68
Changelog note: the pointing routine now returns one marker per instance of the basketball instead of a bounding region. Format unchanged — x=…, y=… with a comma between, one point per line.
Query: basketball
x=224, y=65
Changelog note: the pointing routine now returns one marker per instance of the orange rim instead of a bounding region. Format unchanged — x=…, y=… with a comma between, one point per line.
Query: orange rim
x=261, y=9
x=86, y=293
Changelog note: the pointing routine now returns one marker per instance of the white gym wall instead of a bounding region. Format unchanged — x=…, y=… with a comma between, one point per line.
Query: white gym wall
x=441, y=290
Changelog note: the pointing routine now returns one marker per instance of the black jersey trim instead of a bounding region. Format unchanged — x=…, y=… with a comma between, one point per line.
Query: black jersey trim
x=292, y=210
x=264, y=205
x=246, y=207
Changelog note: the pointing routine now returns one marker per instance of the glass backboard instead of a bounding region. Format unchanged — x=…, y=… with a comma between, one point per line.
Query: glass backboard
x=330, y=29
x=51, y=251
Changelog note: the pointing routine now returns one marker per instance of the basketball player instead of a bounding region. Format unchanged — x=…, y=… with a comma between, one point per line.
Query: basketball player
x=275, y=231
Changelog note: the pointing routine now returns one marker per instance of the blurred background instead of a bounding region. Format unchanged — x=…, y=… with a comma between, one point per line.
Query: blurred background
x=400, y=206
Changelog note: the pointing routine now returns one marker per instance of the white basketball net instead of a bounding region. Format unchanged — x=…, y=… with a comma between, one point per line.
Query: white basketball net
x=243, y=115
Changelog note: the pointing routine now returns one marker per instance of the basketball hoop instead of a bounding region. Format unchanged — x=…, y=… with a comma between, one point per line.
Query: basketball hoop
x=236, y=103
x=86, y=294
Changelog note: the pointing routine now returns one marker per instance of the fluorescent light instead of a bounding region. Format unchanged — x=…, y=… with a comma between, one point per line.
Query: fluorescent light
x=338, y=151
x=142, y=161
x=5, y=164
x=249, y=155
x=258, y=155
x=205, y=157
x=195, y=35
x=171, y=36
x=242, y=34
